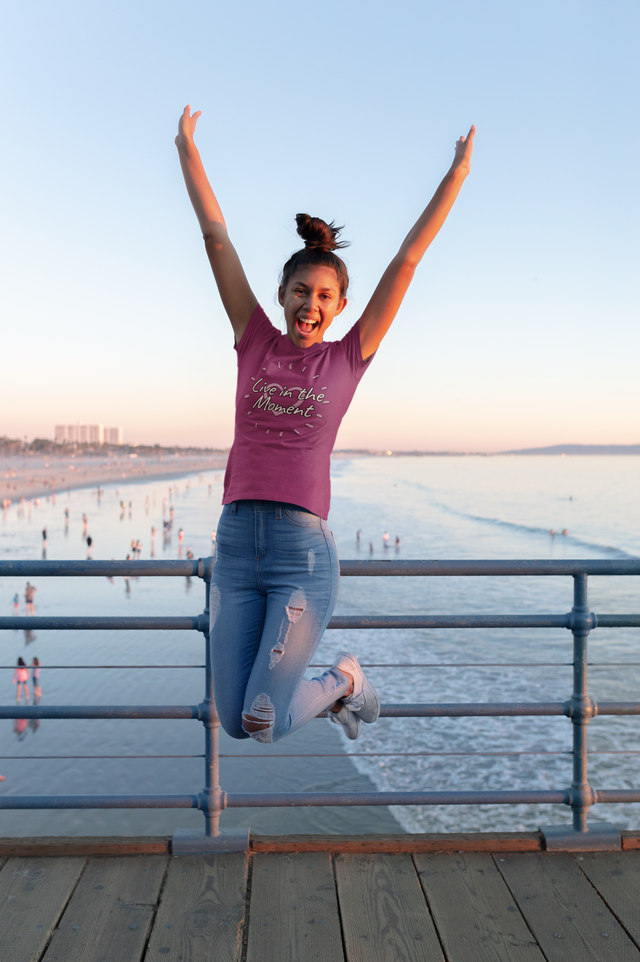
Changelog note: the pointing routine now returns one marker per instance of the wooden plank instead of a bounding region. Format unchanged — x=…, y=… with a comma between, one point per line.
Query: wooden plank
x=474, y=911
x=294, y=910
x=398, y=844
x=33, y=895
x=201, y=911
x=47, y=846
x=630, y=840
x=616, y=876
x=384, y=913
x=51, y=845
x=110, y=912
x=567, y=916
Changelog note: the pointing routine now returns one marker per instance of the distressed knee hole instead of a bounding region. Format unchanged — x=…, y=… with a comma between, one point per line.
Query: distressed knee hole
x=294, y=611
x=258, y=723
x=214, y=604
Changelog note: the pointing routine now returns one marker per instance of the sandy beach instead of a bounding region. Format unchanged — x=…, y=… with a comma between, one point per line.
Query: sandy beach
x=37, y=476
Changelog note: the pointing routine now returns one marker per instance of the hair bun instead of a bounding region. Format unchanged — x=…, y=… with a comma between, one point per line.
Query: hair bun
x=318, y=235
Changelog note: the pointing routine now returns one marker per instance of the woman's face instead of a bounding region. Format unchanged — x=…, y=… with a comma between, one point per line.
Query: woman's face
x=311, y=300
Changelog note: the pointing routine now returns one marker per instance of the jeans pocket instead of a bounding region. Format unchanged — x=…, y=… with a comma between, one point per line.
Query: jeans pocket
x=301, y=517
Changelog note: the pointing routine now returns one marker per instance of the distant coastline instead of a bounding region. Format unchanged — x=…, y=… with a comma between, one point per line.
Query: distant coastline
x=562, y=450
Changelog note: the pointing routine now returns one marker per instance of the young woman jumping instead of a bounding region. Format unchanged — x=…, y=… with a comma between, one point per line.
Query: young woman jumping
x=276, y=570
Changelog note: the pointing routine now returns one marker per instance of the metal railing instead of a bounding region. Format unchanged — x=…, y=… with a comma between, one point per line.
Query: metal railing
x=580, y=708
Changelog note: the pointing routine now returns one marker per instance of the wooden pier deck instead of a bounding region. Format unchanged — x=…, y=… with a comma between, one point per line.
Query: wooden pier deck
x=327, y=899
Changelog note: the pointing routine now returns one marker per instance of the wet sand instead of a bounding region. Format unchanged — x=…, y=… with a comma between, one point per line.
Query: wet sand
x=34, y=476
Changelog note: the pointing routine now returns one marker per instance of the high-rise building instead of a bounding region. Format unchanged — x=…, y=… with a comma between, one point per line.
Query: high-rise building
x=87, y=434
x=113, y=436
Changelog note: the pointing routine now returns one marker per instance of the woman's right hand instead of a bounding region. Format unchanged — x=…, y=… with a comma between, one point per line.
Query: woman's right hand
x=187, y=125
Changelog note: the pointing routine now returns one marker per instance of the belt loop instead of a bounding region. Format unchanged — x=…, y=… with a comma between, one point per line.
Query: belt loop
x=278, y=511
x=234, y=507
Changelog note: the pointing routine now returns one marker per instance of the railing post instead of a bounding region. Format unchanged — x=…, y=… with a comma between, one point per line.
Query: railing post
x=600, y=836
x=582, y=707
x=212, y=790
x=186, y=841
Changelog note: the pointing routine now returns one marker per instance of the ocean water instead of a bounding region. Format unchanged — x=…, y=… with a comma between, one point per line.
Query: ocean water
x=467, y=507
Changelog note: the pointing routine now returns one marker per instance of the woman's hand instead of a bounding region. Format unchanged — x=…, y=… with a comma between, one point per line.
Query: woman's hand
x=464, y=149
x=187, y=125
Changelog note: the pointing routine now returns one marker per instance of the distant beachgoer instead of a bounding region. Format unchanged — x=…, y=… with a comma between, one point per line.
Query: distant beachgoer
x=89, y=548
x=180, y=535
x=29, y=592
x=398, y=541
x=358, y=533
x=44, y=538
x=564, y=531
x=21, y=680
x=371, y=547
x=276, y=556
x=16, y=604
x=35, y=677
x=66, y=515
x=385, y=539
x=189, y=554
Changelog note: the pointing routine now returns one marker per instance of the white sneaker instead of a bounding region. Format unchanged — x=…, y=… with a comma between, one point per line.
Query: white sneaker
x=350, y=722
x=363, y=700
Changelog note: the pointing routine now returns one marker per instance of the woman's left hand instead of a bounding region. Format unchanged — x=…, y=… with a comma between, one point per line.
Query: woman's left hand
x=464, y=149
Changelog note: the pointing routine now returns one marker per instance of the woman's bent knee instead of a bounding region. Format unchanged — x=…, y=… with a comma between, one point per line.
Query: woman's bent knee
x=259, y=721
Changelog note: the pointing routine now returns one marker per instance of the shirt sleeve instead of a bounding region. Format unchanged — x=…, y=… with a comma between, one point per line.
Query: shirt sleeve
x=350, y=344
x=258, y=331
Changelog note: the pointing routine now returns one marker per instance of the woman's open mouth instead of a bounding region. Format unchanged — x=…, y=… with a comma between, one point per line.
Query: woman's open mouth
x=306, y=325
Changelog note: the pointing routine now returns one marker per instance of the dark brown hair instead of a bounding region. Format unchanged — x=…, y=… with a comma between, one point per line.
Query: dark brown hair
x=320, y=241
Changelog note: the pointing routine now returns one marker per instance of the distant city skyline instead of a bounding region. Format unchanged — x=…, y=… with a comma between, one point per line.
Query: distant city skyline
x=87, y=434
x=521, y=327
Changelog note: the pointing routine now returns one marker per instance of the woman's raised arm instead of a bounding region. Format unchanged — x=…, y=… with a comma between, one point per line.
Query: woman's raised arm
x=387, y=297
x=238, y=298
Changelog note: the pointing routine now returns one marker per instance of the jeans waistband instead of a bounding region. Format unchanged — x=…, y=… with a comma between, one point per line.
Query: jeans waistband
x=275, y=506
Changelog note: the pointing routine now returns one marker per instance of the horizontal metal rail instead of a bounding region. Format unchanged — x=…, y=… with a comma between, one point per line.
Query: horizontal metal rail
x=198, y=622
x=579, y=708
x=348, y=569
x=100, y=801
x=398, y=710
x=102, y=711
x=108, y=622
x=311, y=799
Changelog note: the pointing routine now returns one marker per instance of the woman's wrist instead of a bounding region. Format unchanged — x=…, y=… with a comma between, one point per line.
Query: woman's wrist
x=457, y=174
x=184, y=143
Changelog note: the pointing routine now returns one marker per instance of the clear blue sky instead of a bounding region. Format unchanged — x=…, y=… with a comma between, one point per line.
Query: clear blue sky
x=522, y=326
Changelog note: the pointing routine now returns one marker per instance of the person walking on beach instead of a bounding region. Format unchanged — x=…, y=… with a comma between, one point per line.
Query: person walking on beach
x=276, y=570
x=29, y=592
x=35, y=677
x=16, y=604
x=21, y=680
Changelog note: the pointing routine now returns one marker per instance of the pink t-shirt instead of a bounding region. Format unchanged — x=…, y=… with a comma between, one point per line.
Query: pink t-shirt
x=289, y=404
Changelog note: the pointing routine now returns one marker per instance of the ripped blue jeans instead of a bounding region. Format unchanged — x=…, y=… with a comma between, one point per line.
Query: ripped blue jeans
x=273, y=590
